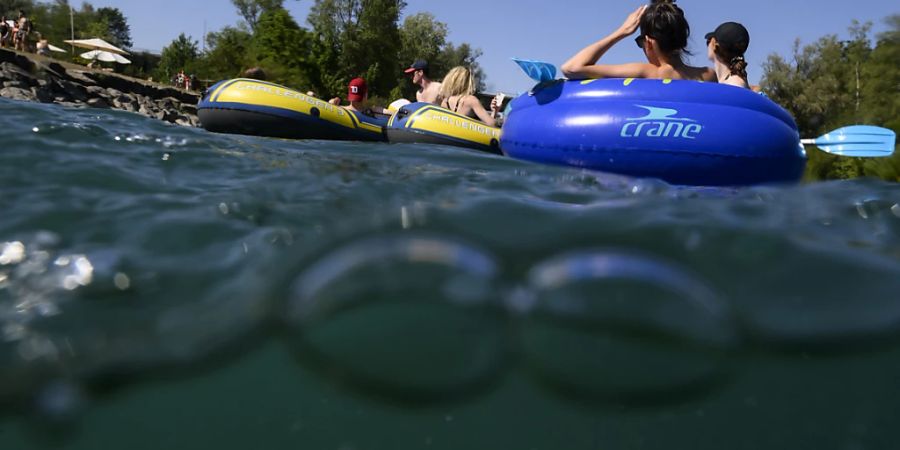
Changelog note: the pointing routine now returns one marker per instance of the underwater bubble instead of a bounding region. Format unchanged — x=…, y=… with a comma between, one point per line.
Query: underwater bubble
x=410, y=318
x=12, y=253
x=60, y=401
x=619, y=326
x=896, y=210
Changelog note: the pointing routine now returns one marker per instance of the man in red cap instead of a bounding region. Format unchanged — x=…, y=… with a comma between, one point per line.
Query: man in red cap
x=429, y=90
x=358, y=95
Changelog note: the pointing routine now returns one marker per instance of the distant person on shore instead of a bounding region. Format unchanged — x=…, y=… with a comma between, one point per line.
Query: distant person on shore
x=429, y=90
x=358, y=96
x=254, y=73
x=43, y=46
x=5, y=32
x=458, y=94
x=725, y=48
x=663, y=37
x=24, y=29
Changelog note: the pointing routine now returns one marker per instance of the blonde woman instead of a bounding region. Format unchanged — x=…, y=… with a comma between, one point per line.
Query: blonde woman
x=458, y=93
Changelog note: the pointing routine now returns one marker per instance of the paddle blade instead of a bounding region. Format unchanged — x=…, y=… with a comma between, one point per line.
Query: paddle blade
x=861, y=141
x=537, y=70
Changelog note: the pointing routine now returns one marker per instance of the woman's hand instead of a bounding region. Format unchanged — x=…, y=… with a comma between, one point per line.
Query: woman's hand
x=633, y=22
x=335, y=101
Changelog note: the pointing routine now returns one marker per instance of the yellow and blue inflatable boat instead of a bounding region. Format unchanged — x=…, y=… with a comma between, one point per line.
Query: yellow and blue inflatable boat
x=429, y=124
x=258, y=108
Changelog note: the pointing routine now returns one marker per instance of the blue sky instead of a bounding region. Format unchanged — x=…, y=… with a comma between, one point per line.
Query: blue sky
x=545, y=30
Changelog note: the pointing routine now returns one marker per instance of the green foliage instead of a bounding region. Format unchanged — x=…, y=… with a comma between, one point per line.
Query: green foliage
x=345, y=39
x=283, y=48
x=356, y=38
x=251, y=10
x=832, y=83
x=117, y=32
x=181, y=54
x=228, y=53
x=424, y=37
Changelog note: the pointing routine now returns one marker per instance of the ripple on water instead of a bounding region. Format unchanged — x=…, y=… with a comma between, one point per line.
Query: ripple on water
x=612, y=325
x=409, y=317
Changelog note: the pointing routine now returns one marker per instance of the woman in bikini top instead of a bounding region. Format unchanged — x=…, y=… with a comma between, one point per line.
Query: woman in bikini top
x=458, y=92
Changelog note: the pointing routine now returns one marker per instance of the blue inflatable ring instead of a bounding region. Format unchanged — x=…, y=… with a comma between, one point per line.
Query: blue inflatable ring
x=683, y=132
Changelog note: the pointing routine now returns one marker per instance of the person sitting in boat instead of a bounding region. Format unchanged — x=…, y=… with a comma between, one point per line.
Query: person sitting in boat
x=664, y=33
x=725, y=48
x=458, y=94
x=429, y=90
x=358, y=96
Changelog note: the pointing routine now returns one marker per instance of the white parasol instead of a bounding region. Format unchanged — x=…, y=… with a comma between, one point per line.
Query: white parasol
x=105, y=57
x=97, y=44
x=54, y=48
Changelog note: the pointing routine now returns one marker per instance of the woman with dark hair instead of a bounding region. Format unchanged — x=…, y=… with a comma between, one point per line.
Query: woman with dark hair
x=726, y=47
x=663, y=37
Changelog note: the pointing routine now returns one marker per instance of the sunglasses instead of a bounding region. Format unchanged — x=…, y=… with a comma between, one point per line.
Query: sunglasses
x=640, y=41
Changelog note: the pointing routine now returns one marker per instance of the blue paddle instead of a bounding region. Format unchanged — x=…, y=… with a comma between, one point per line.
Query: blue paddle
x=537, y=70
x=860, y=141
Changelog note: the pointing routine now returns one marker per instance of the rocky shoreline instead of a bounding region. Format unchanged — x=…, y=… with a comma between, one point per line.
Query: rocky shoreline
x=35, y=78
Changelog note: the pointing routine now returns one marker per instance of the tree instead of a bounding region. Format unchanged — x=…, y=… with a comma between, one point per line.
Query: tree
x=424, y=37
x=10, y=8
x=228, y=53
x=181, y=54
x=283, y=48
x=251, y=10
x=357, y=38
x=831, y=83
x=118, y=30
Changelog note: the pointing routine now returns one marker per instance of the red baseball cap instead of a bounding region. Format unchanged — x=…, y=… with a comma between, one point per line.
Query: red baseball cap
x=357, y=90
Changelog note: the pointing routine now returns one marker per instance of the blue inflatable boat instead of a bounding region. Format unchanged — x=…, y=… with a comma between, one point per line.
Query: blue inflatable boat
x=683, y=132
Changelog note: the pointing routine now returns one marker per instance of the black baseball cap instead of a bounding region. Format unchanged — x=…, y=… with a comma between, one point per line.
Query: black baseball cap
x=420, y=64
x=732, y=37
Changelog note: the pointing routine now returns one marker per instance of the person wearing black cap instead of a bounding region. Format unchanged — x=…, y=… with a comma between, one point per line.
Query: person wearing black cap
x=429, y=90
x=726, y=47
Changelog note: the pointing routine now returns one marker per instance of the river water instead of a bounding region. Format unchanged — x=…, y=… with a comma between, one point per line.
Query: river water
x=163, y=287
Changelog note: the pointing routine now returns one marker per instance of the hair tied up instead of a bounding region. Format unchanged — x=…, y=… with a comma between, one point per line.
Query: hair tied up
x=737, y=59
x=662, y=2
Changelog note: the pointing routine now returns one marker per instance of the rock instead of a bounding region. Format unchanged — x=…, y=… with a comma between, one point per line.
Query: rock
x=113, y=93
x=13, y=72
x=16, y=84
x=98, y=103
x=75, y=91
x=79, y=76
x=18, y=94
x=183, y=121
x=95, y=91
x=42, y=95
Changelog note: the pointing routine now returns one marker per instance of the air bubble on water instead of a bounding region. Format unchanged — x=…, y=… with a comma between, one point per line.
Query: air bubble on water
x=60, y=401
x=36, y=348
x=122, y=281
x=166, y=156
x=12, y=253
x=117, y=138
x=896, y=210
x=223, y=208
